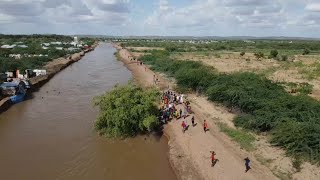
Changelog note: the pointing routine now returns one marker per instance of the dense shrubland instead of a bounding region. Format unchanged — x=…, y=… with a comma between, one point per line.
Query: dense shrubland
x=126, y=111
x=22, y=64
x=293, y=121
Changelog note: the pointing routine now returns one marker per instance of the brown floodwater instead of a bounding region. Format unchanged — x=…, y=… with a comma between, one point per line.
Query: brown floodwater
x=51, y=136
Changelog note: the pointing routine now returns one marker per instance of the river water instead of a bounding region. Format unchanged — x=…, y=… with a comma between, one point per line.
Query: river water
x=51, y=136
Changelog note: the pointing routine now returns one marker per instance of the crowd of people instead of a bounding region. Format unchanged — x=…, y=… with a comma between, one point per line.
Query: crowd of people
x=168, y=111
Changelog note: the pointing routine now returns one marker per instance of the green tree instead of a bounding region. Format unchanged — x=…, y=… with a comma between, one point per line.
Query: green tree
x=259, y=55
x=306, y=51
x=273, y=53
x=126, y=111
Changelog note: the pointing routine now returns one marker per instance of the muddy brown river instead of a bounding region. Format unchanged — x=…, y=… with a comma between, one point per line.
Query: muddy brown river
x=51, y=136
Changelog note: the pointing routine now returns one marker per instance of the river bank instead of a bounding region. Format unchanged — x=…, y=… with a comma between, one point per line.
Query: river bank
x=53, y=67
x=189, y=153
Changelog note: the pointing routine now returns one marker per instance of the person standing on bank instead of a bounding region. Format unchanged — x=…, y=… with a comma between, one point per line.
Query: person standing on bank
x=213, y=159
x=247, y=164
x=184, y=126
x=205, y=126
x=192, y=121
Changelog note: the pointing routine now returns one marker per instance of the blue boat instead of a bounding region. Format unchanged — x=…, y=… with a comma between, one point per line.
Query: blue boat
x=18, y=98
x=16, y=91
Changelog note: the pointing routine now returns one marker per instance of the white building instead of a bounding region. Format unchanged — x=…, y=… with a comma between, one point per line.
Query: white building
x=16, y=56
x=22, y=46
x=75, y=39
x=73, y=43
x=72, y=49
x=56, y=43
x=8, y=46
x=46, y=44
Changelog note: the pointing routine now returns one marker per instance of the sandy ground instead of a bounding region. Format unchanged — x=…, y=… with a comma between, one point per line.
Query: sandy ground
x=229, y=62
x=189, y=152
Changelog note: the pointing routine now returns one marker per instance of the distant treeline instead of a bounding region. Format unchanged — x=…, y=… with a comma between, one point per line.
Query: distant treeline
x=54, y=37
x=292, y=121
x=232, y=45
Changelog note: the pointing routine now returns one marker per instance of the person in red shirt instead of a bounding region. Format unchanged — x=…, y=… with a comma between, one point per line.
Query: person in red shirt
x=213, y=159
x=205, y=126
x=166, y=100
x=184, y=126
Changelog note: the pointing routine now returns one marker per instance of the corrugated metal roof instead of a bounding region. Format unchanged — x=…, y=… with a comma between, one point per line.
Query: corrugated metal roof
x=9, y=84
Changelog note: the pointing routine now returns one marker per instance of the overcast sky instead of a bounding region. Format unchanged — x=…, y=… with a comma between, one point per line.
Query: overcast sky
x=300, y=18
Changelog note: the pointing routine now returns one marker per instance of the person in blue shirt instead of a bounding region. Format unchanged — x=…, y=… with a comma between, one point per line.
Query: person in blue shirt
x=247, y=164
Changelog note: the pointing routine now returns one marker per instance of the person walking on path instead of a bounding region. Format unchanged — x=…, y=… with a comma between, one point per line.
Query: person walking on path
x=213, y=159
x=192, y=121
x=247, y=164
x=184, y=126
x=205, y=126
x=180, y=113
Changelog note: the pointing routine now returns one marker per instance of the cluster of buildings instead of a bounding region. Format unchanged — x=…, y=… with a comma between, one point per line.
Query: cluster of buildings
x=6, y=46
x=19, y=56
x=71, y=46
x=75, y=45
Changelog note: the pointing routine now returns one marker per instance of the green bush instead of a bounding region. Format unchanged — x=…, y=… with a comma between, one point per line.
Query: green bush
x=242, y=53
x=284, y=58
x=259, y=55
x=305, y=88
x=300, y=139
x=126, y=111
x=273, y=53
x=306, y=52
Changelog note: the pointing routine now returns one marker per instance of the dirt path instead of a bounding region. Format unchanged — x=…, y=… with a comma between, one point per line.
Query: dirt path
x=189, y=152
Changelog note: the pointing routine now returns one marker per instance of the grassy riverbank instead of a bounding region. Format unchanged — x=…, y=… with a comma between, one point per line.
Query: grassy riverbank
x=292, y=121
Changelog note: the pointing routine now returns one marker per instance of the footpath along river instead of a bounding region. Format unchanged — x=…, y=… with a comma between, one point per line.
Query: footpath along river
x=51, y=136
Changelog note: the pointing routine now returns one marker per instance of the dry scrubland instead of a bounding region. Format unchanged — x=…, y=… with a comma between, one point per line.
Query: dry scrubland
x=294, y=73
x=296, y=69
x=299, y=69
